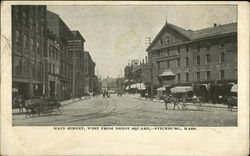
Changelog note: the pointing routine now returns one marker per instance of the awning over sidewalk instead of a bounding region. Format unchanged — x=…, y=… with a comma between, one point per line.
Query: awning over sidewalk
x=161, y=89
x=139, y=86
x=14, y=90
x=167, y=73
x=234, y=89
x=181, y=89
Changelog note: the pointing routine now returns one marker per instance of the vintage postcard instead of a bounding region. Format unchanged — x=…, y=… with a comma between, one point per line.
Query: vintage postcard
x=124, y=78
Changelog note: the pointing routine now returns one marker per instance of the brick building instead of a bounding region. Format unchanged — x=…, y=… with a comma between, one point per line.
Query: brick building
x=89, y=73
x=182, y=56
x=75, y=46
x=28, y=49
x=52, y=65
x=57, y=26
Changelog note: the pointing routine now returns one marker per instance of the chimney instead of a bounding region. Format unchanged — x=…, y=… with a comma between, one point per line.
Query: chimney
x=142, y=61
x=146, y=59
x=215, y=24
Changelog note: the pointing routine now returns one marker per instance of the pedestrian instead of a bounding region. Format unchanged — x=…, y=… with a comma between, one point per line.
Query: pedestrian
x=208, y=87
x=20, y=101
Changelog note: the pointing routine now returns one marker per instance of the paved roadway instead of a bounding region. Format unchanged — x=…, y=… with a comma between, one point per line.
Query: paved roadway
x=128, y=111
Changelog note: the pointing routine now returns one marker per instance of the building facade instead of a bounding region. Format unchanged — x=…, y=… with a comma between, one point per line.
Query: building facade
x=57, y=26
x=75, y=46
x=200, y=56
x=28, y=49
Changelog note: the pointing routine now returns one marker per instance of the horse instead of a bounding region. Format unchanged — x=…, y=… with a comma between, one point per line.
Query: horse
x=35, y=106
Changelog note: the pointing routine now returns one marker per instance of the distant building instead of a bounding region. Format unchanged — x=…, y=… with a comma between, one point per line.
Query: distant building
x=28, y=49
x=89, y=73
x=182, y=56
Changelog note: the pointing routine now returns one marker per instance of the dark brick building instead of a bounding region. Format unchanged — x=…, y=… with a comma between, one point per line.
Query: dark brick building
x=61, y=31
x=194, y=56
x=89, y=72
x=75, y=46
x=28, y=49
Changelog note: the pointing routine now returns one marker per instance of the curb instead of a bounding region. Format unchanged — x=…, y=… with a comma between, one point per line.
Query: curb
x=71, y=102
x=187, y=103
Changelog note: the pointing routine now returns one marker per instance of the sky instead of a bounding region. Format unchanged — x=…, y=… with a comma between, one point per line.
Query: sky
x=117, y=34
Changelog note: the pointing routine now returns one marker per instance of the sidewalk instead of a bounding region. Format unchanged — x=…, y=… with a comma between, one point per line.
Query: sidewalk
x=137, y=96
x=70, y=101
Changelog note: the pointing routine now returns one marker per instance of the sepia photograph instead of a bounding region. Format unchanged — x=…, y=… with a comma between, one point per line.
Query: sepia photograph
x=124, y=78
x=158, y=65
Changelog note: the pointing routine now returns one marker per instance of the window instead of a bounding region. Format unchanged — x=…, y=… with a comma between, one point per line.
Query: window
x=168, y=65
x=33, y=69
x=17, y=37
x=178, y=62
x=222, y=75
x=24, y=18
x=167, y=40
x=186, y=62
x=208, y=47
x=221, y=45
x=158, y=65
x=208, y=59
x=158, y=53
x=53, y=69
x=31, y=23
x=208, y=75
x=198, y=60
x=222, y=57
x=37, y=26
x=17, y=65
x=178, y=50
x=50, y=68
x=179, y=77
x=161, y=42
x=167, y=53
x=187, y=48
x=187, y=77
x=24, y=41
x=25, y=70
x=32, y=44
x=38, y=48
x=198, y=76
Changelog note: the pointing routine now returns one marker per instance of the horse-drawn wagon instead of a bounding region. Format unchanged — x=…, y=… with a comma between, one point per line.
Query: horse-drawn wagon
x=41, y=106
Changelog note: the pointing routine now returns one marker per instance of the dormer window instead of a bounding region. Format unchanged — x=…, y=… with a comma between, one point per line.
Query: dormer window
x=167, y=40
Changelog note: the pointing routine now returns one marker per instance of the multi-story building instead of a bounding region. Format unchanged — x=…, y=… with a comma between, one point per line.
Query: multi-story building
x=52, y=63
x=180, y=56
x=89, y=72
x=28, y=49
x=57, y=26
x=76, y=47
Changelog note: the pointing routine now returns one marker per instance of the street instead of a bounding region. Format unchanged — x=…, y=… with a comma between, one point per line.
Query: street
x=128, y=111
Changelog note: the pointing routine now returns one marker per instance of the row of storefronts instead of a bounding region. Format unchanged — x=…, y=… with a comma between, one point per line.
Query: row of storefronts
x=181, y=57
x=48, y=59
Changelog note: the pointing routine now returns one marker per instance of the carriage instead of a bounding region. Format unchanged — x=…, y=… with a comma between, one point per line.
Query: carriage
x=181, y=95
x=38, y=106
x=232, y=98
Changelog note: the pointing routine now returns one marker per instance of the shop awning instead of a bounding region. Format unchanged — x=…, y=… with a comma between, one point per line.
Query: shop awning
x=161, y=89
x=133, y=86
x=14, y=90
x=181, y=89
x=167, y=73
x=234, y=89
x=140, y=86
